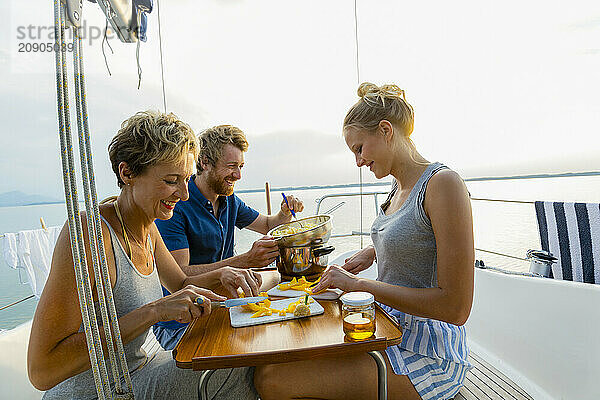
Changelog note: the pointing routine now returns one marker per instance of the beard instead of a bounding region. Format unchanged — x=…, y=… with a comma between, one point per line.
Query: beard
x=218, y=185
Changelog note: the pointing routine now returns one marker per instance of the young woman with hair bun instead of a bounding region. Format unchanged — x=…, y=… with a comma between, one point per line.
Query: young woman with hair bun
x=423, y=244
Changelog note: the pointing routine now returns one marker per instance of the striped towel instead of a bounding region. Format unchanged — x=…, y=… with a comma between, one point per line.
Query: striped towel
x=571, y=232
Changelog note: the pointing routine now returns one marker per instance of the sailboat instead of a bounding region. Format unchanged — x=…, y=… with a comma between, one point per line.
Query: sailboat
x=538, y=342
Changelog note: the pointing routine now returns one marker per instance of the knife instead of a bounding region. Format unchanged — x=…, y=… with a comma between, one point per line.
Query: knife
x=233, y=302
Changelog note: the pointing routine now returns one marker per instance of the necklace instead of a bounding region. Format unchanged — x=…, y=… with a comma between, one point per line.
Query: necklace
x=144, y=246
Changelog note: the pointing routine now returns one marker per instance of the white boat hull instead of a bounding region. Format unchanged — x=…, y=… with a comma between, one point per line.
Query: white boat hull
x=544, y=334
x=14, y=382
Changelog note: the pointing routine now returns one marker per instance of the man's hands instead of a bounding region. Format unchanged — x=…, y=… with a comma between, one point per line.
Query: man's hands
x=232, y=278
x=295, y=204
x=360, y=261
x=263, y=252
x=264, y=223
x=181, y=306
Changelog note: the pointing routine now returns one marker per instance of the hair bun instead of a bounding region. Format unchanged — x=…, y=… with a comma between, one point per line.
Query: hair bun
x=374, y=94
x=391, y=91
x=367, y=88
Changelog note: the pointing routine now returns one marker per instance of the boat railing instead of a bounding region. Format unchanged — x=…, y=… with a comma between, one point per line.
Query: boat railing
x=479, y=263
x=17, y=302
x=336, y=195
x=375, y=195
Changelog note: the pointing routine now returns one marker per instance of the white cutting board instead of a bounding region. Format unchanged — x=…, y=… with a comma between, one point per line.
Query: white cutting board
x=329, y=294
x=240, y=317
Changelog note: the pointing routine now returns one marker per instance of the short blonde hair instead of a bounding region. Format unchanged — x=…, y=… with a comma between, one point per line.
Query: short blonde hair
x=212, y=141
x=149, y=138
x=380, y=103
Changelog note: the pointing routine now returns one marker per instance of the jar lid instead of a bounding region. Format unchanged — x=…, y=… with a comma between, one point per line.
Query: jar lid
x=357, y=298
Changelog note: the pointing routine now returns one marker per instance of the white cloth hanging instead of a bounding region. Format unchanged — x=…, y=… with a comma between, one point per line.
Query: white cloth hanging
x=31, y=251
x=9, y=249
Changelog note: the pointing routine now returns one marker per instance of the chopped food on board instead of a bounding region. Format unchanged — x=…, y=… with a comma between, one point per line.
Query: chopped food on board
x=263, y=308
x=300, y=284
x=302, y=309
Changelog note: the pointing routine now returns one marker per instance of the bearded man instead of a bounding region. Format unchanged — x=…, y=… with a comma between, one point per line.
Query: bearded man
x=200, y=235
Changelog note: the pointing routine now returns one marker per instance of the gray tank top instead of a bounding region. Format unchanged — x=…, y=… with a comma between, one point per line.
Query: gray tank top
x=404, y=241
x=132, y=290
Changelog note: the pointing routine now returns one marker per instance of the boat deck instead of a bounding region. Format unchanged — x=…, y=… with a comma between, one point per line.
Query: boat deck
x=485, y=382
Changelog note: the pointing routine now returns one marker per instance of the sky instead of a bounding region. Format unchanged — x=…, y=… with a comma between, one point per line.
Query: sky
x=498, y=88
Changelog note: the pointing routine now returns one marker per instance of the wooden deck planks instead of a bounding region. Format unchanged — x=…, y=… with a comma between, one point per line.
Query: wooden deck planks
x=484, y=382
x=502, y=380
x=465, y=394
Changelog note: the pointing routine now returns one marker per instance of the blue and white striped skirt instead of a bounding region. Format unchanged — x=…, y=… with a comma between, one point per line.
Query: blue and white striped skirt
x=433, y=354
x=433, y=378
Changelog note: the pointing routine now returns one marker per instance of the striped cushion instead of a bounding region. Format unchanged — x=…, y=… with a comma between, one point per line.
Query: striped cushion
x=571, y=232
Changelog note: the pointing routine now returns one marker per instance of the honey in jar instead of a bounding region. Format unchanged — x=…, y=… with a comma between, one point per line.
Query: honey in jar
x=358, y=315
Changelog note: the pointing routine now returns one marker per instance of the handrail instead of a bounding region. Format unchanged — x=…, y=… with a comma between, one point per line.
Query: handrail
x=501, y=254
x=504, y=200
x=375, y=194
x=534, y=176
x=509, y=272
x=16, y=302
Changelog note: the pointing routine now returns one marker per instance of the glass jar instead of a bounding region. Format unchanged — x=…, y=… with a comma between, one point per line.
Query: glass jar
x=358, y=315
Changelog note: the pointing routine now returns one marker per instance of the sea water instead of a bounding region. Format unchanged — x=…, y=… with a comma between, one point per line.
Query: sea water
x=502, y=227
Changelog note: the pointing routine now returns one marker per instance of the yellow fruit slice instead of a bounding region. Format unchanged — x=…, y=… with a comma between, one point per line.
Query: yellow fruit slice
x=259, y=313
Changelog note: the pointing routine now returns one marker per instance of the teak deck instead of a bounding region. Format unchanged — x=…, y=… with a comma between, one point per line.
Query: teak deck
x=211, y=342
x=484, y=382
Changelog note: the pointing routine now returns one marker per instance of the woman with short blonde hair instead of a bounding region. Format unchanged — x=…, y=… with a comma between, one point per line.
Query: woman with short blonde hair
x=149, y=138
x=153, y=156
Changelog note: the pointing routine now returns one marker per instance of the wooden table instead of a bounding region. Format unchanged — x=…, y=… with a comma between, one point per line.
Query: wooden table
x=211, y=343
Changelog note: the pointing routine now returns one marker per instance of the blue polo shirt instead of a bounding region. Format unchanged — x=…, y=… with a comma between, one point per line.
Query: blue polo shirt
x=195, y=227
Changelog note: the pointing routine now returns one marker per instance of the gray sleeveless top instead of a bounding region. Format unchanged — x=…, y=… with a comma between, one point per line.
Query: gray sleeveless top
x=407, y=256
x=131, y=291
x=404, y=241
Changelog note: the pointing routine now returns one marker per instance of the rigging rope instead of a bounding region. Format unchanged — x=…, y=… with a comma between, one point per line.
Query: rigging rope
x=86, y=301
x=98, y=366
x=360, y=175
x=91, y=231
x=103, y=284
x=356, y=42
x=105, y=40
x=162, y=70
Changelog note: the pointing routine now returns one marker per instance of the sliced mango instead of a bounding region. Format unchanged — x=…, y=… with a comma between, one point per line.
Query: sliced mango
x=264, y=308
x=259, y=313
x=291, y=307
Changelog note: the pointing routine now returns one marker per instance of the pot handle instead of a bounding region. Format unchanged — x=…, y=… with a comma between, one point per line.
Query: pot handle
x=321, y=251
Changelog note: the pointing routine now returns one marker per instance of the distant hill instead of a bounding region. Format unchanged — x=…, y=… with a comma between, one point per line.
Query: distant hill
x=16, y=198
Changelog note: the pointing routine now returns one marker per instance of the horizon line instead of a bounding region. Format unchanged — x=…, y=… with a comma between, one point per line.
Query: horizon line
x=371, y=184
